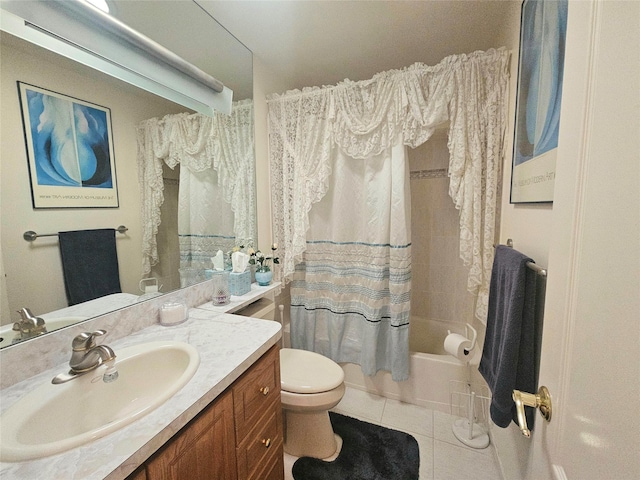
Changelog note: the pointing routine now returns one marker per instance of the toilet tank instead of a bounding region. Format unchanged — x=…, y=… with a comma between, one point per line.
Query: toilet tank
x=262, y=308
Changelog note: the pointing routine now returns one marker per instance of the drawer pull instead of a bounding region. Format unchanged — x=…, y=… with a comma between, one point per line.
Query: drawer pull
x=266, y=442
x=264, y=390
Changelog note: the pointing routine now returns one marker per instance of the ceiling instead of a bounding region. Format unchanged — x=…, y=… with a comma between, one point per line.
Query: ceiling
x=314, y=43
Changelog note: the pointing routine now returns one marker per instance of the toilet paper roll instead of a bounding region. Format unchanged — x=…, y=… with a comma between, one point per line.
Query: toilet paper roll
x=457, y=345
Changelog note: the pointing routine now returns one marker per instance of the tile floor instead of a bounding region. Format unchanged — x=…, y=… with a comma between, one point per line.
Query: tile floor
x=442, y=456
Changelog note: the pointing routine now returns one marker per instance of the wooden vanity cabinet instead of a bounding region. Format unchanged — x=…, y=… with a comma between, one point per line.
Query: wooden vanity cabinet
x=238, y=437
x=205, y=449
x=258, y=417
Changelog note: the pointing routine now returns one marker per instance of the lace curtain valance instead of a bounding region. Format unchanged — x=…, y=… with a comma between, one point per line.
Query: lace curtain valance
x=198, y=142
x=363, y=118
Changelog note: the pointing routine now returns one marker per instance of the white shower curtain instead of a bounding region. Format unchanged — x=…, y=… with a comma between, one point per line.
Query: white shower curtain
x=364, y=120
x=352, y=287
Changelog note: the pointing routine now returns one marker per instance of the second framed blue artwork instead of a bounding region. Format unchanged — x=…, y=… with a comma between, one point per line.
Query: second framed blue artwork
x=70, y=150
x=540, y=77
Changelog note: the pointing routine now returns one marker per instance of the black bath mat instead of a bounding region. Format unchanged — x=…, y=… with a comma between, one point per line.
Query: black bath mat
x=369, y=452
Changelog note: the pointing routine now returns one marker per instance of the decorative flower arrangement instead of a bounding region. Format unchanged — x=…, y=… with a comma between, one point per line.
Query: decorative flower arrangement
x=248, y=249
x=258, y=258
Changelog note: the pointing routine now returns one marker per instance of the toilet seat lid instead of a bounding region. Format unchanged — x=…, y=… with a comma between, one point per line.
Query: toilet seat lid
x=302, y=371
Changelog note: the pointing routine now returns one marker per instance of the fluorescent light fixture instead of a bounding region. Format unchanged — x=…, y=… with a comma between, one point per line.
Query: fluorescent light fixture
x=82, y=32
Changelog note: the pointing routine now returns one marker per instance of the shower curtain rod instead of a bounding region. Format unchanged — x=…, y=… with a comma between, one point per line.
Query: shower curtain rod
x=532, y=265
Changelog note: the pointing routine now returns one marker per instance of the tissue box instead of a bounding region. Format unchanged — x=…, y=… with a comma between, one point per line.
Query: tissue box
x=240, y=283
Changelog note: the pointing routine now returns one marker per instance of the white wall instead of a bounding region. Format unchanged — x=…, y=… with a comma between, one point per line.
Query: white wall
x=529, y=226
x=33, y=270
x=265, y=82
x=440, y=300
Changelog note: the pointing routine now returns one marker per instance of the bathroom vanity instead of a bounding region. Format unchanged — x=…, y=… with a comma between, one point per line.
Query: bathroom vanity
x=226, y=422
x=238, y=436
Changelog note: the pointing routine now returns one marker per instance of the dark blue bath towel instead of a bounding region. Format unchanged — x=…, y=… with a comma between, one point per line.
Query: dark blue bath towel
x=89, y=264
x=509, y=353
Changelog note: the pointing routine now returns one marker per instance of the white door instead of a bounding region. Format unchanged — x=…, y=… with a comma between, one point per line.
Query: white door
x=591, y=344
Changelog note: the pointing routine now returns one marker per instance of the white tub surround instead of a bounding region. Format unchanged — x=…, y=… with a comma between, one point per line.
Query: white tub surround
x=428, y=384
x=228, y=345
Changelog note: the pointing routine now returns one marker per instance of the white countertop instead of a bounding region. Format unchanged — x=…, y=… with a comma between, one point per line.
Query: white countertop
x=238, y=302
x=228, y=345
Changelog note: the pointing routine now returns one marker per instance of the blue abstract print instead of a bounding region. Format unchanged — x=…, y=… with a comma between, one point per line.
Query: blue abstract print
x=544, y=25
x=70, y=142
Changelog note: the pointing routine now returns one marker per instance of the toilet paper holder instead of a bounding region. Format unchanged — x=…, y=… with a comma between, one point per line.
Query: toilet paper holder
x=473, y=336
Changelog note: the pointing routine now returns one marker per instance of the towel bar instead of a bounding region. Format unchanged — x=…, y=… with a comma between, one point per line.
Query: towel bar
x=30, y=236
x=533, y=266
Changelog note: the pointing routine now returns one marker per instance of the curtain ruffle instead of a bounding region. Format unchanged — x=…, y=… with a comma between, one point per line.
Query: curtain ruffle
x=363, y=118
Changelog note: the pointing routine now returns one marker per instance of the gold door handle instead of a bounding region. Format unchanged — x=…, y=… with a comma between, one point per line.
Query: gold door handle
x=265, y=390
x=541, y=400
x=266, y=442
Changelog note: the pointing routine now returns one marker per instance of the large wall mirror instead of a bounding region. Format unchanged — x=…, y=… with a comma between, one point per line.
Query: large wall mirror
x=32, y=271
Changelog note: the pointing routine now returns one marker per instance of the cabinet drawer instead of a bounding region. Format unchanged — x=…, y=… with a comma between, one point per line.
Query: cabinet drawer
x=261, y=445
x=256, y=391
x=274, y=470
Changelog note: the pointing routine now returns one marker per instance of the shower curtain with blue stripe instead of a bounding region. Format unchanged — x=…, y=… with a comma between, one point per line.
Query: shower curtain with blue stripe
x=353, y=285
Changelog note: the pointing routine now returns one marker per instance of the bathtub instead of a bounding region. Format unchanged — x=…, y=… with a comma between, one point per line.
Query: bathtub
x=430, y=372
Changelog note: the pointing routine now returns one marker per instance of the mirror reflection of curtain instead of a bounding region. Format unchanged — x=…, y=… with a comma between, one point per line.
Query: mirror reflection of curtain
x=362, y=120
x=217, y=201
x=205, y=223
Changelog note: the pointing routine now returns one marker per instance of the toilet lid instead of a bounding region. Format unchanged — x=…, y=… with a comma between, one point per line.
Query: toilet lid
x=302, y=371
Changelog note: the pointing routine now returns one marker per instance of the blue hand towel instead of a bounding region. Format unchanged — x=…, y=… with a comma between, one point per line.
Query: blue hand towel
x=509, y=352
x=89, y=264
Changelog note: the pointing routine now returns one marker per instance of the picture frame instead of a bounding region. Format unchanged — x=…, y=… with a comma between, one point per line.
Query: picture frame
x=70, y=152
x=538, y=101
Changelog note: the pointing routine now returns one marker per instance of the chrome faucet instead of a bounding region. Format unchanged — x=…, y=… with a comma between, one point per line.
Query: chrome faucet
x=87, y=356
x=29, y=325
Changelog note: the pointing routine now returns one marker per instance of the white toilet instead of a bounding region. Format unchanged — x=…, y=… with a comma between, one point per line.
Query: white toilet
x=311, y=384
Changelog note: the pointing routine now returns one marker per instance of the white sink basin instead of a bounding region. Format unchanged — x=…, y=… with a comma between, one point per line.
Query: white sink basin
x=7, y=335
x=54, y=418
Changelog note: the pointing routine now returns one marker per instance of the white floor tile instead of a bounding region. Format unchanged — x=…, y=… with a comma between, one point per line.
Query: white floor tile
x=289, y=460
x=408, y=418
x=362, y=405
x=456, y=463
x=426, y=456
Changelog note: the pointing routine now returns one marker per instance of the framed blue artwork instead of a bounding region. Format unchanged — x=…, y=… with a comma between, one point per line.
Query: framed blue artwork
x=540, y=72
x=69, y=150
